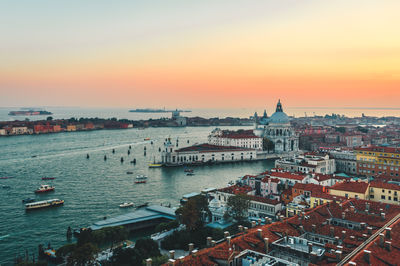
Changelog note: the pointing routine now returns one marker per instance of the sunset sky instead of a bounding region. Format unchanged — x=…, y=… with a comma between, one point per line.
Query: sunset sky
x=200, y=54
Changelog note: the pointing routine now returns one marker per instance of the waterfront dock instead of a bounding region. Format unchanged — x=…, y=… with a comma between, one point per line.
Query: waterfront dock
x=139, y=219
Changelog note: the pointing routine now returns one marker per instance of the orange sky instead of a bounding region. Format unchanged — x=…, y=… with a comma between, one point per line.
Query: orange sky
x=230, y=54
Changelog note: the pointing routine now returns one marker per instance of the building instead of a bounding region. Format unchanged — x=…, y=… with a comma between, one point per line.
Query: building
x=345, y=161
x=348, y=189
x=240, y=138
x=278, y=130
x=374, y=160
x=384, y=192
x=3, y=132
x=71, y=128
x=178, y=119
x=205, y=153
x=308, y=163
x=19, y=130
x=260, y=207
x=352, y=140
x=352, y=232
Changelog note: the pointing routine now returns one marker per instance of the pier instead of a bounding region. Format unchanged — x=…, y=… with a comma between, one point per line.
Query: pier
x=139, y=219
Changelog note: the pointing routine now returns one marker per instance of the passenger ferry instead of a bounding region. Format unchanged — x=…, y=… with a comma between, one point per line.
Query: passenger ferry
x=43, y=204
x=44, y=188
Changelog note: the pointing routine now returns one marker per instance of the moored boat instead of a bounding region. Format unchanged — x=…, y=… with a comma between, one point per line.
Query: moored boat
x=190, y=173
x=48, y=178
x=141, y=179
x=44, y=188
x=43, y=204
x=129, y=172
x=146, y=138
x=155, y=165
x=126, y=204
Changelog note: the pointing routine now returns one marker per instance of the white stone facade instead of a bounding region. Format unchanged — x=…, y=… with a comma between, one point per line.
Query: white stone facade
x=278, y=129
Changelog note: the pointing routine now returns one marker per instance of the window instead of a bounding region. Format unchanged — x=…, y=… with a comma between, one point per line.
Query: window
x=383, y=197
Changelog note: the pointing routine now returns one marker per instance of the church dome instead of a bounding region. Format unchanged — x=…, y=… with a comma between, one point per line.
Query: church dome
x=279, y=117
x=214, y=203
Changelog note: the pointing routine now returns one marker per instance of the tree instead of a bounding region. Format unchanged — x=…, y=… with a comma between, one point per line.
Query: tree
x=126, y=256
x=340, y=129
x=268, y=145
x=238, y=207
x=147, y=248
x=194, y=212
x=49, y=118
x=83, y=255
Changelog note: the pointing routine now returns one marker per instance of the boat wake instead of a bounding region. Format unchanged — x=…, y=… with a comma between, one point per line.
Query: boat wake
x=3, y=237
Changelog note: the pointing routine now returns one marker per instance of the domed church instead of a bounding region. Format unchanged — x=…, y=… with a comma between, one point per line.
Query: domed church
x=278, y=130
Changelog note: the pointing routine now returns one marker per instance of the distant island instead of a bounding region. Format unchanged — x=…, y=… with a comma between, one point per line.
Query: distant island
x=30, y=112
x=150, y=110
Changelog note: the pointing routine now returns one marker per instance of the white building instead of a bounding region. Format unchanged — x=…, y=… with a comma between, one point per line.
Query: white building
x=240, y=138
x=3, y=132
x=19, y=130
x=179, y=120
x=205, y=153
x=259, y=207
x=308, y=164
x=277, y=129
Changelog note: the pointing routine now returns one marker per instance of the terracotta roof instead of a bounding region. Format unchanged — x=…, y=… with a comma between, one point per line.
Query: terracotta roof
x=288, y=175
x=379, y=184
x=211, y=148
x=356, y=187
x=236, y=189
x=380, y=149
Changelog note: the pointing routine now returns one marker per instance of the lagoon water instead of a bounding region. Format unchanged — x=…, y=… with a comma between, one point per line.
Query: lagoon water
x=92, y=188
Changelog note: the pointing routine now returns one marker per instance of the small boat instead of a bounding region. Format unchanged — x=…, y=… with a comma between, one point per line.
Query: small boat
x=48, y=178
x=129, y=172
x=126, y=204
x=141, y=177
x=44, y=188
x=188, y=170
x=155, y=165
x=28, y=200
x=146, y=138
x=140, y=181
x=43, y=204
x=4, y=177
x=6, y=187
x=190, y=173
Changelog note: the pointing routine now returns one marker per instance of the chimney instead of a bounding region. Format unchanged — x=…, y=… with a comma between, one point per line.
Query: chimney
x=369, y=230
x=172, y=254
x=246, y=229
x=343, y=234
x=171, y=262
x=149, y=261
x=266, y=242
x=253, y=223
x=353, y=238
x=313, y=227
x=259, y=233
x=191, y=247
x=365, y=236
x=240, y=228
x=259, y=221
x=336, y=239
x=388, y=245
x=343, y=215
x=381, y=240
x=366, y=207
x=301, y=228
x=228, y=240
x=382, y=216
x=209, y=239
x=213, y=243
x=338, y=255
x=388, y=230
x=367, y=256
x=226, y=234
x=331, y=231
x=266, y=220
x=281, y=218
x=309, y=248
x=363, y=225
